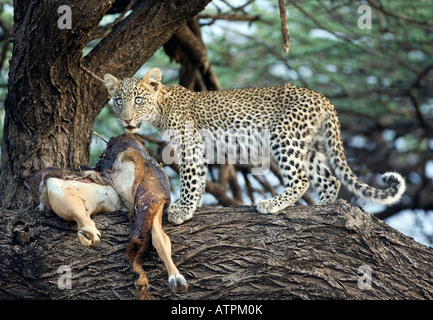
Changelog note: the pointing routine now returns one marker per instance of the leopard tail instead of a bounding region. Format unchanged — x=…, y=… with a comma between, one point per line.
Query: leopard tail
x=335, y=153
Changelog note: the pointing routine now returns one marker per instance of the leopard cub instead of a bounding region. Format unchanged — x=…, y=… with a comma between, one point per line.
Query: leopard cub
x=303, y=128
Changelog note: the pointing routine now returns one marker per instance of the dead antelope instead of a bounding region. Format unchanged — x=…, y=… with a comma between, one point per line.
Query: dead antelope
x=125, y=176
x=75, y=196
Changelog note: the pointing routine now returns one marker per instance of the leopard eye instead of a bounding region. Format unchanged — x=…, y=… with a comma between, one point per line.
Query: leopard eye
x=139, y=100
x=119, y=101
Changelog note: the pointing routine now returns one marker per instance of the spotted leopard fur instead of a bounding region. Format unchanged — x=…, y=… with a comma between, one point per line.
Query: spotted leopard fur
x=304, y=137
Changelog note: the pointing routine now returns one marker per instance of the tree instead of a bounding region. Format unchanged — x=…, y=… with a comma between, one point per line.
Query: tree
x=53, y=99
x=319, y=252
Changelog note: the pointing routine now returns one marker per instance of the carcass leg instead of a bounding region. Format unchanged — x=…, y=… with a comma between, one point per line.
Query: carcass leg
x=162, y=243
x=67, y=203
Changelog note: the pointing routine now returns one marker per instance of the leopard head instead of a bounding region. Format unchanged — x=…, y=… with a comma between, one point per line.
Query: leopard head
x=135, y=100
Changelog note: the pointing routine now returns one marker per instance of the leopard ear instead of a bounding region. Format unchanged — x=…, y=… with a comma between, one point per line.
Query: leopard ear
x=153, y=78
x=111, y=83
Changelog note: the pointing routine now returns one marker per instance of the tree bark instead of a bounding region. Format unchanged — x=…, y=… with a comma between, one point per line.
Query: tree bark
x=315, y=252
x=52, y=101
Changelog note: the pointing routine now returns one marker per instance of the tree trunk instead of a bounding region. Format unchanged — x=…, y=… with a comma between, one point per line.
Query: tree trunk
x=316, y=252
x=52, y=101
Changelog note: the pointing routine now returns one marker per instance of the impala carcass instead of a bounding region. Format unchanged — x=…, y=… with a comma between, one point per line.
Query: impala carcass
x=75, y=195
x=125, y=176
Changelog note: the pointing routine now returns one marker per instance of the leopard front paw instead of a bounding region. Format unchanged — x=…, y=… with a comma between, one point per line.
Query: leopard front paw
x=179, y=214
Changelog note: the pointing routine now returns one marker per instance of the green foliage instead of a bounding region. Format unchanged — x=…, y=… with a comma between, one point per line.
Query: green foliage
x=329, y=52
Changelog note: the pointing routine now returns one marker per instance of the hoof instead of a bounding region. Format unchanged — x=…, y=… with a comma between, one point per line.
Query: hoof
x=88, y=237
x=177, y=283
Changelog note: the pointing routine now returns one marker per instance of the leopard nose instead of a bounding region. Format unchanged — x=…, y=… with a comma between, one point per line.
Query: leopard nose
x=128, y=121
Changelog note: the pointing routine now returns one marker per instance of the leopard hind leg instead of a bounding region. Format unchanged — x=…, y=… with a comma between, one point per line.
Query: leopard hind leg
x=290, y=161
x=320, y=177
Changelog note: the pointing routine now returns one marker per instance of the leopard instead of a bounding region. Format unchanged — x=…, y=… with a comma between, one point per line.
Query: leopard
x=302, y=125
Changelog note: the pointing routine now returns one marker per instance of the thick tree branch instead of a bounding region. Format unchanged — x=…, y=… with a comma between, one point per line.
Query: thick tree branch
x=136, y=38
x=101, y=31
x=319, y=252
